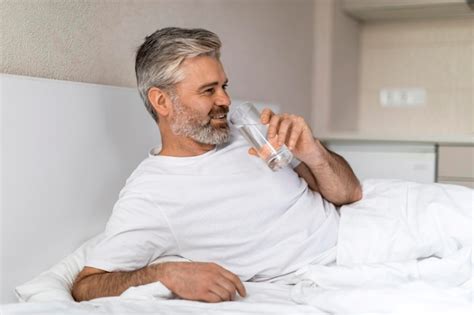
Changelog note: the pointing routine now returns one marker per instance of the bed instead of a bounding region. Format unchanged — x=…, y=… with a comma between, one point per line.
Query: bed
x=404, y=248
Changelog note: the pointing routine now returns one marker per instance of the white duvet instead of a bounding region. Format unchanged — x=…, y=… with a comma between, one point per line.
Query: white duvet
x=405, y=248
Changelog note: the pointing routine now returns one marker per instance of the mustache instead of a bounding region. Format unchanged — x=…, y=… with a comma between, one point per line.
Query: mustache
x=219, y=111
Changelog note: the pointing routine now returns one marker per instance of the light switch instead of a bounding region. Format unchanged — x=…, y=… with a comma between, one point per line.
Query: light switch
x=402, y=97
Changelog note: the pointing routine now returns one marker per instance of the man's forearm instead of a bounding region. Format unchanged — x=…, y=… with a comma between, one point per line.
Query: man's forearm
x=113, y=283
x=335, y=179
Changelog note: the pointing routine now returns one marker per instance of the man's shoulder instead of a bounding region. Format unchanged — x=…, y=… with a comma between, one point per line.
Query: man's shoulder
x=148, y=166
x=147, y=169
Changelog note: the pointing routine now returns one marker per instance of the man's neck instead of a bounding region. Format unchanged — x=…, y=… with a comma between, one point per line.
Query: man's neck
x=182, y=147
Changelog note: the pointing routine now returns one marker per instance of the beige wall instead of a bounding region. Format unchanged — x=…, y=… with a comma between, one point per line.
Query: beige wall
x=267, y=49
x=437, y=55
x=335, y=69
x=344, y=114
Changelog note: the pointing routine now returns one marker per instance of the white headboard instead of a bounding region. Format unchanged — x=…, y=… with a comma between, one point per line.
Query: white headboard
x=66, y=150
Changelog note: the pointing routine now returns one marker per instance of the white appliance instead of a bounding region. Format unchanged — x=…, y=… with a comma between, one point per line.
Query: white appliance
x=407, y=161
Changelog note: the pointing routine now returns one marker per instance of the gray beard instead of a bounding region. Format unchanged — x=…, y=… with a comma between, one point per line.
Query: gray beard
x=187, y=123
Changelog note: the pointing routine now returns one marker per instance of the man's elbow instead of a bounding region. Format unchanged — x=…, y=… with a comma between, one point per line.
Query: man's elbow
x=357, y=194
x=77, y=291
x=350, y=196
x=81, y=288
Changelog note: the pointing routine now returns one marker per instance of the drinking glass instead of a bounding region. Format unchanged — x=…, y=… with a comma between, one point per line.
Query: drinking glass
x=246, y=118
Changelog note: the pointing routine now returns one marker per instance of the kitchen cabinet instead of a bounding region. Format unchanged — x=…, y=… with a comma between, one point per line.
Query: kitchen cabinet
x=367, y=10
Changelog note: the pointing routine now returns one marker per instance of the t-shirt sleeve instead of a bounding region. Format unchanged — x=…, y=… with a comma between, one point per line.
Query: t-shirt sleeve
x=136, y=234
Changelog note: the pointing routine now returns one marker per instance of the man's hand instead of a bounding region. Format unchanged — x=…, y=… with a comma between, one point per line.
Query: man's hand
x=207, y=282
x=291, y=130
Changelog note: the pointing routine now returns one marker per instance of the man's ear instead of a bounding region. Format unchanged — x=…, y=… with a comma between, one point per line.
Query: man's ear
x=160, y=101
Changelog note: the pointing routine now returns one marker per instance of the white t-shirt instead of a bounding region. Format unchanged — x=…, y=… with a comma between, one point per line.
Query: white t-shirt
x=223, y=206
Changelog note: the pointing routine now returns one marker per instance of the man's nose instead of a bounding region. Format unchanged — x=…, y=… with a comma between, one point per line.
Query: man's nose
x=222, y=99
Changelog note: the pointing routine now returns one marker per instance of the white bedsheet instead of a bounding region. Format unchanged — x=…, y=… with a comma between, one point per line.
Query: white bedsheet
x=262, y=298
x=406, y=248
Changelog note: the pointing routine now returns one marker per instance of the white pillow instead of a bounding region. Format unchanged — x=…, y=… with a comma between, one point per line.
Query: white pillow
x=55, y=284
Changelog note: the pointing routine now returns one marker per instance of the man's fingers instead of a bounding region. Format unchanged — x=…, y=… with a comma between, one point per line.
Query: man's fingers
x=295, y=135
x=213, y=284
x=273, y=126
x=235, y=281
x=266, y=115
x=252, y=151
x=221, y=292
x=285, y=129
x=211, y=297
x=229, y=286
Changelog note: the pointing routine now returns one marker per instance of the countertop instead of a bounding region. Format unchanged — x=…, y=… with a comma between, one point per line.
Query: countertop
x=449, y=140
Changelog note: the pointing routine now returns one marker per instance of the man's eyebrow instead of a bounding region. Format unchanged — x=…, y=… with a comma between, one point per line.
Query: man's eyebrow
x=207, y=85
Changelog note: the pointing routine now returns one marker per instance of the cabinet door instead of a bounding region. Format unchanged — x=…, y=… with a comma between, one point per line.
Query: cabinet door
x=456, y=165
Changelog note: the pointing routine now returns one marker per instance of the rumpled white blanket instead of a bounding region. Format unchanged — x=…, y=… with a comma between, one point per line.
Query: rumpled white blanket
x=404, y=247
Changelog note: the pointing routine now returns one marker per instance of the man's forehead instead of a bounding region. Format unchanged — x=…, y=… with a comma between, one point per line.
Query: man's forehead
x=201, y=70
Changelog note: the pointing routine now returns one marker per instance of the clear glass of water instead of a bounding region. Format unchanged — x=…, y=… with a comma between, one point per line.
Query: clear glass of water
x=246, y=118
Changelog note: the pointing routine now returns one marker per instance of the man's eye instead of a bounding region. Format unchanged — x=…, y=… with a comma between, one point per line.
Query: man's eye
x=224, y=87
x=209, y=91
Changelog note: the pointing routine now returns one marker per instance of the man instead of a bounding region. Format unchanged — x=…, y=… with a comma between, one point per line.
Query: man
x=203, y=196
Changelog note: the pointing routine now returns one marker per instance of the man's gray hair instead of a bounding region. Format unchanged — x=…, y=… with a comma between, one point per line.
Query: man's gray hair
x=158, y=59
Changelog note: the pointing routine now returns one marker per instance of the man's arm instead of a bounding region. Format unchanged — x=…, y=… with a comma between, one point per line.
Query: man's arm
x=93, y=283
x=328, y=178
x=207, y=282
x=323, y=170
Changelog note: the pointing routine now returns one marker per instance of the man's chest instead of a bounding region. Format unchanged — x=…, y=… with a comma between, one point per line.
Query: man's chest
x=212, y=210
